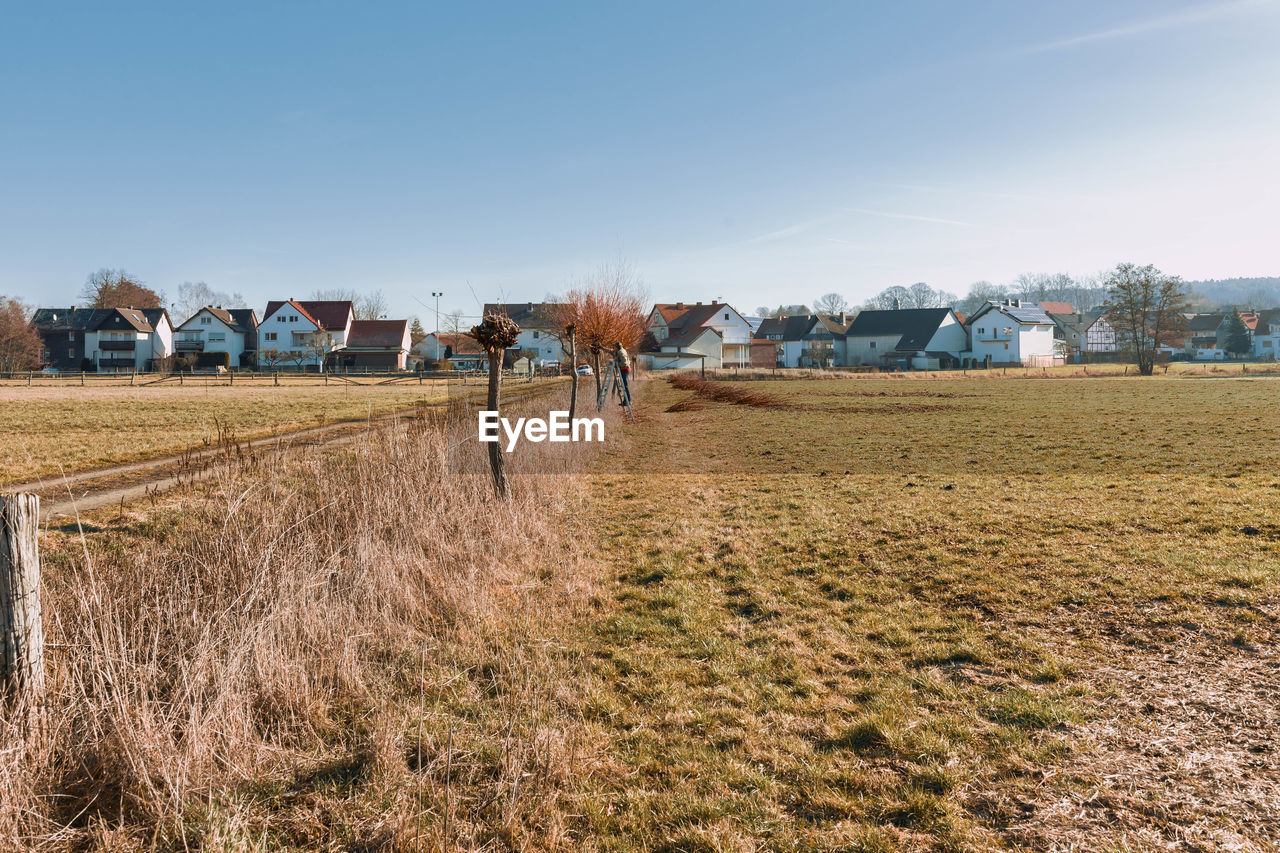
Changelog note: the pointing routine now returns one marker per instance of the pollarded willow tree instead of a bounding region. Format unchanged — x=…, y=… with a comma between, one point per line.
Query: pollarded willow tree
x=495, y=334
x=1145, y=307
x=604, y=308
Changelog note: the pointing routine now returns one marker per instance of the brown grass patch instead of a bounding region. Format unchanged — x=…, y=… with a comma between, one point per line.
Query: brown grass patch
x=724, y=394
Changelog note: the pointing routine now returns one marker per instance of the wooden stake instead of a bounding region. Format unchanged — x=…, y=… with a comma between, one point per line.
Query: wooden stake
x=21, y=635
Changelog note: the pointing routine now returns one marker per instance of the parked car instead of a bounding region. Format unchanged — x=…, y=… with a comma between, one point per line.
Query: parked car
x=585, y=370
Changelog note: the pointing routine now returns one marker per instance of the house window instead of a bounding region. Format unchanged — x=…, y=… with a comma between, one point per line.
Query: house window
x=726, y=316
x=982, y=331
x=872, y=345
x=293, y=318
x=217, y=336
x=1006, y=346
x=281, y=319
x=205, y=321
x=271, y=336
x=1267, y=344
x=1008, y=330
x=535, y=336
x=71, y=336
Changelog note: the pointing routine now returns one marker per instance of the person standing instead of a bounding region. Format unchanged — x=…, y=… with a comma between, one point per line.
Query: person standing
x=623, y=360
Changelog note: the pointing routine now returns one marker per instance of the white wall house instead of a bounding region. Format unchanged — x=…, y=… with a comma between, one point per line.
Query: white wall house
x=302, y=333
x=1012, y=332
x=787, y=334
x=218, y=330
x=539, y=332
x=699, y=347
x=682, y=327
x=1266, y=335
x=128, y=338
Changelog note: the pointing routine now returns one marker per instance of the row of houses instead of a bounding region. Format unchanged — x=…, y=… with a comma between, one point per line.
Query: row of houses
x=716, y=335
x=306, y=334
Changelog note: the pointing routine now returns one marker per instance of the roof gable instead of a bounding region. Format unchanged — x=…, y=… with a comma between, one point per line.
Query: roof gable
x=378, y=334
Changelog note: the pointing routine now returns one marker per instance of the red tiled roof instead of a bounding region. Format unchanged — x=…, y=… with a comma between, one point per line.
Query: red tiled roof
x=1058, y=307
x=328, y=314
x=377, y=334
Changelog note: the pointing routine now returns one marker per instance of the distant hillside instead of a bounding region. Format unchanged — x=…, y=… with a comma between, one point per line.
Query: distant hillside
x=1242, y=292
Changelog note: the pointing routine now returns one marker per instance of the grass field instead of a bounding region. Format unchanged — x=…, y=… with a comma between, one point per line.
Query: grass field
x=863, y=614
x=47, y=430
x=969, y=615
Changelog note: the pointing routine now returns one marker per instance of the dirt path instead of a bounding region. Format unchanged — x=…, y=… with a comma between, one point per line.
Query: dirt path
x=85, y=491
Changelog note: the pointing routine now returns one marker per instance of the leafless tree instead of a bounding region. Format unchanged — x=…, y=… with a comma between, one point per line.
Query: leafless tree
x=118, y=289
x=194, y=295
x=367, y=306
x=21, y=346
x=605, y=307
x=1145, y=308
x=830, y=303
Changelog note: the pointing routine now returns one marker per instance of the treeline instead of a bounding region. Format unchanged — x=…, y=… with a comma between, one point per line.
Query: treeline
x=1086, y=293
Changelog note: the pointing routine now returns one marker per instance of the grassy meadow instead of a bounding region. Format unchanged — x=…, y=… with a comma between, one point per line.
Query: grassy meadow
x=872, y=614
x=46, y=430
x=884, y=614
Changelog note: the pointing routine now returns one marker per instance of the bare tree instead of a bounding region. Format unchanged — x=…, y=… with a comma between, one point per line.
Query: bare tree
x=21, y=346
x=366, y=306
x=1145, y=308
x=830, y=303
x=118, y=289
x=605, y=307
x=192, y=296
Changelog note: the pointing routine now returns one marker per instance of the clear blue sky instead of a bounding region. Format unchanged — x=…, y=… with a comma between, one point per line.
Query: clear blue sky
x=762, y=152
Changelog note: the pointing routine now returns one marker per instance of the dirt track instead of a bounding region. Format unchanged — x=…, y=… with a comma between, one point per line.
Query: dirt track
x=85, y=491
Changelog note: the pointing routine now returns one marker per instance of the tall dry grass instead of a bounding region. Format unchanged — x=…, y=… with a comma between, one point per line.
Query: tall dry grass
x=340, y=650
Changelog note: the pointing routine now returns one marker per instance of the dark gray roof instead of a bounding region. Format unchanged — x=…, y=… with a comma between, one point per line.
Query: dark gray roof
x=1205, y=322
x=1025, y=312
x=90, y=319
x=527, y=315
x=915, y=326
x=792, y=328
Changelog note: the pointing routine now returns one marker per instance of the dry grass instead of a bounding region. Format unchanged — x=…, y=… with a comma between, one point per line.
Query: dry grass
x=345, y=651
x=45, y=431
x=909, y=625
x=721, y=393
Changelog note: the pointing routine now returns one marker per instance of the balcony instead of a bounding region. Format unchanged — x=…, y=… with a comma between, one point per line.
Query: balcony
x=117, y=345
x=189, y=345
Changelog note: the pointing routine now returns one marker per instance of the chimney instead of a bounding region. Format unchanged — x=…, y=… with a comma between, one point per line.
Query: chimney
x=530, y=308
x=897, y=304
x=699, y=303
x=842, y=320
x=679, y=306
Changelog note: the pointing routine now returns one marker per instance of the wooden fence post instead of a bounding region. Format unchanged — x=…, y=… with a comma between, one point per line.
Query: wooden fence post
x=21, y=635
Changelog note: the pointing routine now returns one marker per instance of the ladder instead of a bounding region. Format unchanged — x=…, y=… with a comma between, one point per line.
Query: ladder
x=613, y=381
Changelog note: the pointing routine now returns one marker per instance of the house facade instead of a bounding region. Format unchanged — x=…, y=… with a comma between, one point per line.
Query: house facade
x=104, y=339
x=1012, y=332
x=787, y=333
x=374, y=345
x=459, y=351
x=679, y=327
x=1266, y=335
x=303, y=332
x=212, y=331
x=539, y=332
x=916, y=338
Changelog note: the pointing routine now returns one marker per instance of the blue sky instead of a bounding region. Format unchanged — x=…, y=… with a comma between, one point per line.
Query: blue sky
x=760, y=152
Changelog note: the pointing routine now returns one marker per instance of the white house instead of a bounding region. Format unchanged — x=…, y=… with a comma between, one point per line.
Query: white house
x=1012, y=332
x=128, y=338
x=539, y=333
x=303, y=332
x=220, y=330
x=1266, y=335
x=680, y=328
x=919, y=338
x=787, y=334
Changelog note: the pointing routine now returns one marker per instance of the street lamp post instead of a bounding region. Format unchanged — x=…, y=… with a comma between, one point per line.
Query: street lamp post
x=437, y=296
